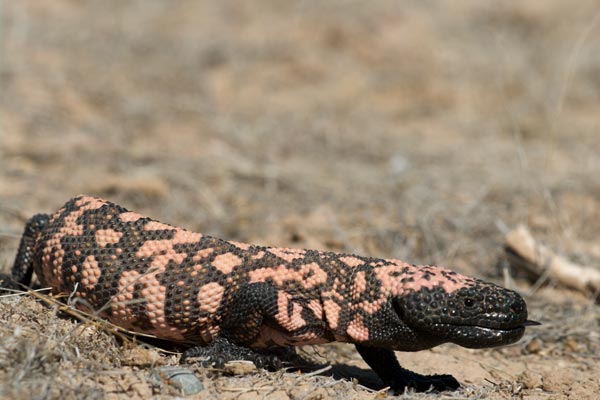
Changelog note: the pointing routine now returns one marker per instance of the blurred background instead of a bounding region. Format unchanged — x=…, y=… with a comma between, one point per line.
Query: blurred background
x=420, y=130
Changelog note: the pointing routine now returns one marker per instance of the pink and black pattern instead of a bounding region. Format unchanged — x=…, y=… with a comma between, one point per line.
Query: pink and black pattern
x=183, y=286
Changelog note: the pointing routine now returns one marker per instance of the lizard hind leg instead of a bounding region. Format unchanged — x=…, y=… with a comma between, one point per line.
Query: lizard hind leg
x=253, y=309
x=22, y=269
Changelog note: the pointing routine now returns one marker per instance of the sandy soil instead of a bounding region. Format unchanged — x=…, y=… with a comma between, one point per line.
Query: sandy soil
x=417, y=130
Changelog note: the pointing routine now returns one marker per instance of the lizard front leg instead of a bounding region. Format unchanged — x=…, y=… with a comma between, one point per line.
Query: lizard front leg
x=259, y=325
x=385, y=364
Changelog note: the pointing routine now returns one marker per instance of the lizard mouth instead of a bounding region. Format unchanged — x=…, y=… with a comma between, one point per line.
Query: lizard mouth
x=476, y=337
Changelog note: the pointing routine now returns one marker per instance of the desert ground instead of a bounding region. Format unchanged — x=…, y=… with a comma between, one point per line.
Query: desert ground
x=417, y=130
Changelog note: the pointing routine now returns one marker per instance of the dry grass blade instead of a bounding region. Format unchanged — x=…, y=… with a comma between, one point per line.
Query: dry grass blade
x=88, y=318
x=317, y=372
x=93, y=319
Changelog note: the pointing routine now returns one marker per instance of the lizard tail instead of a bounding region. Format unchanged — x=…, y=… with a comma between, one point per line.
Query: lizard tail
x=22, y=269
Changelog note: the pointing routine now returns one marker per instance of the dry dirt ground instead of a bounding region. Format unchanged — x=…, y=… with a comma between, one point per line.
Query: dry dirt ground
x=418, y=130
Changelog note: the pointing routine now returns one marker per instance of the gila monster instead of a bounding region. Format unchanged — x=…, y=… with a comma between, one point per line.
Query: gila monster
x=233, y=300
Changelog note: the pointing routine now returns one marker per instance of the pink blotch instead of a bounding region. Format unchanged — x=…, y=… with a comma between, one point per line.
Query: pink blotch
x=359, y=285
x=157, y=226
x=315, y=306
x=130, y=216
x=183, y=236
x=162, y=252
x=286, y=254
x=311, y=275
x=282, y=274
x=91, y=271
x=226, y=262
x=209, y=297
x=122, y=314
x=352, y=262
x=89, y=203
x=357, y=329
x=200, y=254
x=332, y=313
x=289, y=322
x=436, y=278
x=107, y=236
x=239, y=245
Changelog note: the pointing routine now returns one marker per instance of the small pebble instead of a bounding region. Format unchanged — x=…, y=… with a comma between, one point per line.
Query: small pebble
x=182, y=379
x=531, y=380
x=534, y=346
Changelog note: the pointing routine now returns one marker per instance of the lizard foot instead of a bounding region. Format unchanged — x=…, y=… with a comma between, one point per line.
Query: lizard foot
x=423, y=383
x=221, y=351
x=385, y=364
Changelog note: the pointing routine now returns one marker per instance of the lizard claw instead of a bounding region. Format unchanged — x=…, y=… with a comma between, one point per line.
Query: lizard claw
x=424, y=383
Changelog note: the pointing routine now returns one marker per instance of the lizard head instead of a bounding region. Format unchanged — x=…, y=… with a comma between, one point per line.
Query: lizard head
x=442, y=306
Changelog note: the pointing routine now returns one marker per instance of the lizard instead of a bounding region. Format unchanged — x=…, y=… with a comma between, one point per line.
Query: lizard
x=234, y=300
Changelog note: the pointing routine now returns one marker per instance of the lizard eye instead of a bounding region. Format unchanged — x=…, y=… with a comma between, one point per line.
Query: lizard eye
x=469, y=302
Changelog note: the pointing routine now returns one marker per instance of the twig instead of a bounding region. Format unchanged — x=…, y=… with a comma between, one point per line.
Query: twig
x=541, y=262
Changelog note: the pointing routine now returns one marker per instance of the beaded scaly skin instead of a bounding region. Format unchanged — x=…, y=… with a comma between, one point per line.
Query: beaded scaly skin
x=234, y=300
